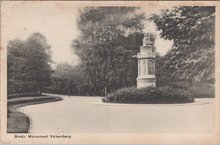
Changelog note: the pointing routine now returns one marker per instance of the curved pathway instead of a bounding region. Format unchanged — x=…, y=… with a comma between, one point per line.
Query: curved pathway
x=89, y=115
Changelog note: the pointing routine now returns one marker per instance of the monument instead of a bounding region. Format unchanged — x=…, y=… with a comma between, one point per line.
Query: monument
x=146, y=62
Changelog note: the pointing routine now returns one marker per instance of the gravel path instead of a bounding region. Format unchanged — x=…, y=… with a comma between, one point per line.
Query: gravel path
x=90, y=115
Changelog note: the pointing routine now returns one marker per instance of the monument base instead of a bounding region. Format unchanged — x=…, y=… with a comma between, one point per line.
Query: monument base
x=146, y=82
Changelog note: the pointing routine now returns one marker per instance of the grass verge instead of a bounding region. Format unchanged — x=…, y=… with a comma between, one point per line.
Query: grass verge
x=19, y=122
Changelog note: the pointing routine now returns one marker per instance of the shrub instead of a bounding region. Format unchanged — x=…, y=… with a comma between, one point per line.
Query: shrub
x=197, y=89
x=203, y=90
x=149, y=95
x=179, y=84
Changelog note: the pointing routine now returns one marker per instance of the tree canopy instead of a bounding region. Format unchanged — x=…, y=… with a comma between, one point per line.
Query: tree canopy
x=29, y=64
x=192, y=29
x=109, y=37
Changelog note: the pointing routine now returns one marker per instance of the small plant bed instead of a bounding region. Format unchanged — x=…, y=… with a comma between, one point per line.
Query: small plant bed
x=150, y=95
x=19, y=122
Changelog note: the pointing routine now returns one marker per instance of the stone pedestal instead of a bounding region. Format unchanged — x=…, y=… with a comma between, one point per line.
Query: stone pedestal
x=146, y=62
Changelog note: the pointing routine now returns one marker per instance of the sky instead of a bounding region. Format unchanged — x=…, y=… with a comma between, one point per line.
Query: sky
x=57, y=22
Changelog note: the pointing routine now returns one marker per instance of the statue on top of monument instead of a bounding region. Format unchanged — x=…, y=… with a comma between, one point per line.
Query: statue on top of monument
x=148, y=39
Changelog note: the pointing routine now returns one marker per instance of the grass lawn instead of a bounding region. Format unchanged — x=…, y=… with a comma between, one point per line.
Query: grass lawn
x=19, y=122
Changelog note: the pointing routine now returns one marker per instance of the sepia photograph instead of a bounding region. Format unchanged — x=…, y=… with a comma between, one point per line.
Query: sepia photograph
x=111, y=72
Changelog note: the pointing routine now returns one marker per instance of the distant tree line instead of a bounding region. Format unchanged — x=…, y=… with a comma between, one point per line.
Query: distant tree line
x=68, y=78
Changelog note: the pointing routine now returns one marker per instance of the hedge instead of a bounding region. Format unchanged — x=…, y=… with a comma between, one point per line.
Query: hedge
x=149, y=95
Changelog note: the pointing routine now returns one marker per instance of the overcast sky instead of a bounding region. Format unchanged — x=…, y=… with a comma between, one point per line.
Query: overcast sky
x=57, y=22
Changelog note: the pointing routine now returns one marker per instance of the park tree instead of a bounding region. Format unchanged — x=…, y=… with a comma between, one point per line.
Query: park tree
x=16, y=65
x=38, y=62
x=29, y=64
x=109, y=37
x=192, y=29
